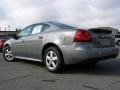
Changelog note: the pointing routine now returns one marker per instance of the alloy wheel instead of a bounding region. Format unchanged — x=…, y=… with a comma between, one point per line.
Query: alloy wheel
x=51, y=60
x=8, y=54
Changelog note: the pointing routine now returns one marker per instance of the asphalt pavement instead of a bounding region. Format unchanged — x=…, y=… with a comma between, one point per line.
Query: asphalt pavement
x=28, y=75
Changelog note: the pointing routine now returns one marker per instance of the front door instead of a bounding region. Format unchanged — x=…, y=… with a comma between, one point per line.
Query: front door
x=19, y=45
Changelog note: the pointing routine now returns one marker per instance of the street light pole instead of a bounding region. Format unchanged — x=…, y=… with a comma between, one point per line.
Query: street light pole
x=8, y=27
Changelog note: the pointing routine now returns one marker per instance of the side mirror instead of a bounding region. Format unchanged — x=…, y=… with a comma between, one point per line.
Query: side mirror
x=15, y=36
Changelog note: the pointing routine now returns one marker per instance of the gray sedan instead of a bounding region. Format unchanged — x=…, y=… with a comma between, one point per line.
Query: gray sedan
x=58, y=44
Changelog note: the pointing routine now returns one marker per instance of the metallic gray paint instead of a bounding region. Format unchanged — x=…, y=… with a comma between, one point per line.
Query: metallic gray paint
x=32, y=46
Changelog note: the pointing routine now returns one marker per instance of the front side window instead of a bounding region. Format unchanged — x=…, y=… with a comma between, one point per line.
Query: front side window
x=26, y=31
x=37, y=29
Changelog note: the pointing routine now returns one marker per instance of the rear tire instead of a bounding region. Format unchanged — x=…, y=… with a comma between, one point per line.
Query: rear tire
x=7, y=54
x=53, y=60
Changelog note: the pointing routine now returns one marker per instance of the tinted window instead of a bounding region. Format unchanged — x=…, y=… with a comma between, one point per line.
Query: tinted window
x=26, y=31
x=37, y=29
x=46, y=27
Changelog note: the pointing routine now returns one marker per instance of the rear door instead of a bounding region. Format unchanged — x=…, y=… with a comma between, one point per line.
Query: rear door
x=102, y=38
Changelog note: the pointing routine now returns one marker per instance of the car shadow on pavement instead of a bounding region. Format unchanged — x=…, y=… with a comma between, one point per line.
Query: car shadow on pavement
x=108, y=67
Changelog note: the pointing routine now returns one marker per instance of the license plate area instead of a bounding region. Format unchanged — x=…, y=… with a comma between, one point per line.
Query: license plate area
x=105, y=42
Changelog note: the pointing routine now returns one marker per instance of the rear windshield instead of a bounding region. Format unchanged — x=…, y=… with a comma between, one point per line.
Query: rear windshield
x=99, y=30
x=64, y=26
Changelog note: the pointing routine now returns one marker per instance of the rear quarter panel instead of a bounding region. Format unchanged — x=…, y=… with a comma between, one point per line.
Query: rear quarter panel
x=62, y=37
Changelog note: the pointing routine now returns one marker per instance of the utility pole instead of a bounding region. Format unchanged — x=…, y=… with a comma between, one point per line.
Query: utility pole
x=5, y=28
x=8, y=27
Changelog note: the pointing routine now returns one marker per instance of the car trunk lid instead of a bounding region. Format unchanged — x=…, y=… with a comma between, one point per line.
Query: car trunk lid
x=102, y=37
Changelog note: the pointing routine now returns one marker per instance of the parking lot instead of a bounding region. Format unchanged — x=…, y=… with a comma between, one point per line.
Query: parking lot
x=28, y=75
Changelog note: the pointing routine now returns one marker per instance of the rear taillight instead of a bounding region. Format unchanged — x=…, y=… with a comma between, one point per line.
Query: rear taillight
x=82, y=36
x=2, y=43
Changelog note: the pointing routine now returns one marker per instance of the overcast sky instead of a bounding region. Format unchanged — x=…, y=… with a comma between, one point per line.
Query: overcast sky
x=82, y=13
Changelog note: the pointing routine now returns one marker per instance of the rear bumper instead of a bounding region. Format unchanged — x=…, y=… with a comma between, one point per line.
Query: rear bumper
x=73, y=54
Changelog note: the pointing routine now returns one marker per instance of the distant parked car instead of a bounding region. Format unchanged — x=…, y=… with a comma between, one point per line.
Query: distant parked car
x=117, y=39
x=3, y=39
x=58, y=44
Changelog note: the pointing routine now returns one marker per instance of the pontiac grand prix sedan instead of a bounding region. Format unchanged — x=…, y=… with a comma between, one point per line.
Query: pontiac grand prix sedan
x=58, y=44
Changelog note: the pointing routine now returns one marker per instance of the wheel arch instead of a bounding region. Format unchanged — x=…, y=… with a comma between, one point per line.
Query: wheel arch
x=6, y=45
x=50, y=45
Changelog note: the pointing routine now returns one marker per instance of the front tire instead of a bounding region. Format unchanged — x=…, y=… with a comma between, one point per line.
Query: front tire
x=53, y=60
x=7, y=54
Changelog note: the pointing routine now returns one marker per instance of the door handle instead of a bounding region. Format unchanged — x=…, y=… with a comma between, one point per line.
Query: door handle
x=40, y=37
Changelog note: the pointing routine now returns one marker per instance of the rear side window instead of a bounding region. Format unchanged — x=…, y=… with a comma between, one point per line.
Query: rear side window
x=46, y=27
x=64, y=26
